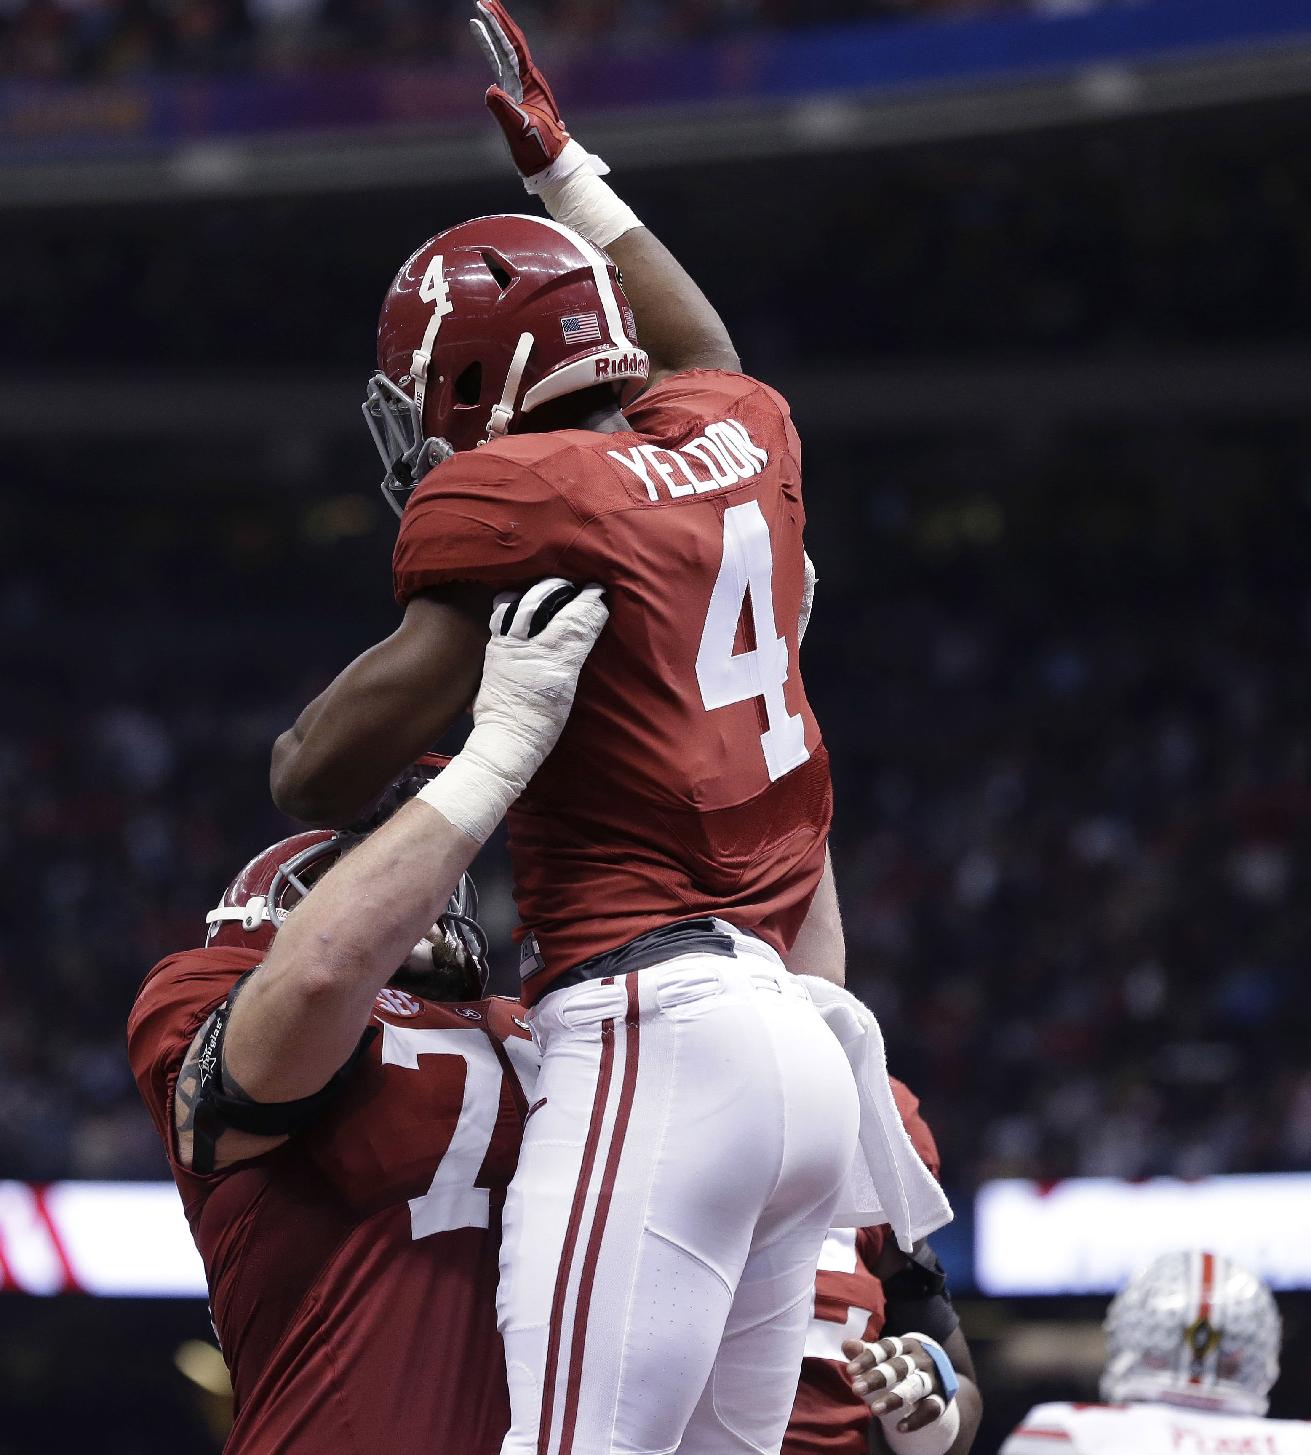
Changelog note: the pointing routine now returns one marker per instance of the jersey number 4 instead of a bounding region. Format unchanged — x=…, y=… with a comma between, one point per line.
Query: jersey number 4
x=727, y=677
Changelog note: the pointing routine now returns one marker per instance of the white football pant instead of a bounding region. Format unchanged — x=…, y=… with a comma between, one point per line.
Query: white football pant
x=693, y=1127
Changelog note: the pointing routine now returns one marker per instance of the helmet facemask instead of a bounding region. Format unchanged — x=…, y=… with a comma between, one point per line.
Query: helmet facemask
x=396, y=425
x=450, y=962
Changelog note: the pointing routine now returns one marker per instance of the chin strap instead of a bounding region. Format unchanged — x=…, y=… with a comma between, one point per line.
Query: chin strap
x=503, y=413
x=251, y=915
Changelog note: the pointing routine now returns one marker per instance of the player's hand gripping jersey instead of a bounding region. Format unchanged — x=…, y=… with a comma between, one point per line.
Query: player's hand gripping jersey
x=353, y=1269
x=691, y=778
x=1152, y=1429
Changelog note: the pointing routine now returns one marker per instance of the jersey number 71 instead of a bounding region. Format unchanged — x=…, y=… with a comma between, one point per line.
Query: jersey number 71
x=726, y=677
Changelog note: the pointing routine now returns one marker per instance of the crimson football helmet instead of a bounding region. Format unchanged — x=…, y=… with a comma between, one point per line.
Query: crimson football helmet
x=257, y=902
x=484, y=323
x=1193, y=1328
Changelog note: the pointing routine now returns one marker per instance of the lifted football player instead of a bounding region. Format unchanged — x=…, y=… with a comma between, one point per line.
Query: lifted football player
x=692, y=779
x=696, y=1121
x=1192, y=1352
x=342, y=1134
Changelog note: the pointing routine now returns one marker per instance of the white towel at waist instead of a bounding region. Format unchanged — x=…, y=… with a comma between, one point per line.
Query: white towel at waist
x=888, y=1182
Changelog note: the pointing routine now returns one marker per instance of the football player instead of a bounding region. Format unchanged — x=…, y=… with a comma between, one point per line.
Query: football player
x=697, y=1120
x=1192, y=1351
x=341, y=1130
x=881, y=1321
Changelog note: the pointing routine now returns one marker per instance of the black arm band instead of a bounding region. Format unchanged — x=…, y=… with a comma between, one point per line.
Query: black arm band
x=918, y=1298
x=219, y=1110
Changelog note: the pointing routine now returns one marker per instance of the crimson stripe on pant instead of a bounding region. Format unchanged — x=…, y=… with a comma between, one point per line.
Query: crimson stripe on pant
x=571, y=1232
x=578, y=1338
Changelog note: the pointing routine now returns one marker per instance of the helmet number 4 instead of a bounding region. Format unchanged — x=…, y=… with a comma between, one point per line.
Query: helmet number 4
x=433, y=288
x=727, y=677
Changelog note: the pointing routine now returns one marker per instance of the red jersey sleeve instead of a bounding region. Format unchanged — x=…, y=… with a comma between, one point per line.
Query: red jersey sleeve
x=921, y=1138
x=174, y=1001
x=488, y=515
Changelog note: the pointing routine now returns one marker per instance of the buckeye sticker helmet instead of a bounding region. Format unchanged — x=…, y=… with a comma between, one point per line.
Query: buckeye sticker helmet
x=484, y=323
x=1193, y=1328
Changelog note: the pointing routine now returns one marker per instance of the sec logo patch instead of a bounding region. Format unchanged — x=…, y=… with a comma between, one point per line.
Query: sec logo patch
x=397, y=1002
x=469, y=1015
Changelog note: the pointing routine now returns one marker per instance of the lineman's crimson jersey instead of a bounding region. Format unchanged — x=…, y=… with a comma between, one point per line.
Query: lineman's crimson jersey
x=1152, y=1429
x=352, y=1270
x=691, y=778
x=828, y=1418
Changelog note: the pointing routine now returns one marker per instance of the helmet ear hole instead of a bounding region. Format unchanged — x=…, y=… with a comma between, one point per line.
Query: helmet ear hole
x=469, y=386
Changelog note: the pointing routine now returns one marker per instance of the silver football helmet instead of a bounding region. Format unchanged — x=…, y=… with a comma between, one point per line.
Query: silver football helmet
x=1193, y=1328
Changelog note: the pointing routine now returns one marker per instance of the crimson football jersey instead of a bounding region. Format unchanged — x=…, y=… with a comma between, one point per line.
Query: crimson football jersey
x=691, y=778
x=828, y=1418
x=352, y=1270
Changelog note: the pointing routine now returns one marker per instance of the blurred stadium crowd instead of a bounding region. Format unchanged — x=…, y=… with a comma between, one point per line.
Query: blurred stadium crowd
x=70, y=39
x=1070, y=729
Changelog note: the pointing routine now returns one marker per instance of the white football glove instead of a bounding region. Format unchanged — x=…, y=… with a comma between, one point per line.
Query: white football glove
x=540, y=639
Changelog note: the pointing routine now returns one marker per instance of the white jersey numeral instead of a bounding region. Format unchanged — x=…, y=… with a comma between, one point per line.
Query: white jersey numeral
x=452, y=1200
x=824, y=1337
x=726, y=677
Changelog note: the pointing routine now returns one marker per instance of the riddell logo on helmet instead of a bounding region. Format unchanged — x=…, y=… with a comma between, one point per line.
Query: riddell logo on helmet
x=622, y=367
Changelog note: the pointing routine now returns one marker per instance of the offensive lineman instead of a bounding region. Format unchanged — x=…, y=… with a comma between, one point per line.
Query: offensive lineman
x=696, y=1120
x=1192, y=1351
x=341, y=1133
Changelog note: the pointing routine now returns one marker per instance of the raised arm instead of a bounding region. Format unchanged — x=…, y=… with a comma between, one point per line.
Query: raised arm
x=299, y=1018
x=379, y=714
x=675, y=322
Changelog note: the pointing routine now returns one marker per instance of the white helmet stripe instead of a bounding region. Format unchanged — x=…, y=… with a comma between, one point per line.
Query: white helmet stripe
x=600, y=271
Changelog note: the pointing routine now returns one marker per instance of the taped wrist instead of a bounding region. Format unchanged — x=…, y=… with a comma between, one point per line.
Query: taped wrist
x=573, y=193
x=473, y=793
x=935, y=1438
x=572, y=159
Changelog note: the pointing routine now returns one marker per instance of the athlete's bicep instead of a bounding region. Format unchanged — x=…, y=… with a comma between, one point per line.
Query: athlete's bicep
x=676, y=324
x=390, y=705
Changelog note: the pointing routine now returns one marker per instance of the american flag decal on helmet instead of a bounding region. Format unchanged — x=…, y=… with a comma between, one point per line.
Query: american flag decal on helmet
x=581, y=328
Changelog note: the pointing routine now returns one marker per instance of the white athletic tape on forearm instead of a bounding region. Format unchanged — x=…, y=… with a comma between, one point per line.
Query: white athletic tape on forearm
x=471, y=794
x=573, y=159
x=582, y=201
x=935, y=1438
